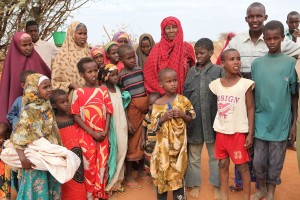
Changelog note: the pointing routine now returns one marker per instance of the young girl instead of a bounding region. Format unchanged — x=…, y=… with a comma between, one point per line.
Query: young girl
x=73, y=189
x=92, y=109
x=112, y=56
x=36, y=120
x=118, y=133
x=234, y=120
x=170, y=115
x=146, y=43
x=97, y=54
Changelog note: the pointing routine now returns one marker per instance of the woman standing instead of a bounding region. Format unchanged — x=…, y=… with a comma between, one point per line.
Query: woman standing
x=64, y=70
x=171, y=52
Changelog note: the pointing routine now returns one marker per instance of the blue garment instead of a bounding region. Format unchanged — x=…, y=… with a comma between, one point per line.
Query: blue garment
x=14, y=112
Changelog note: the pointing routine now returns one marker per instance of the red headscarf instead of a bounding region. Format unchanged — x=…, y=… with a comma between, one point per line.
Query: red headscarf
x=176, y=54
x=14, y=64
x=229, y=37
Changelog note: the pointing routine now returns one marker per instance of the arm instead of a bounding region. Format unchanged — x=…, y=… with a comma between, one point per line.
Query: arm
x=106, y=131
x=144, y=131
x=187, y=118
x=87, y=129
x=131, y=129
x=26, y=164
x=250, y=114
x=292, y=135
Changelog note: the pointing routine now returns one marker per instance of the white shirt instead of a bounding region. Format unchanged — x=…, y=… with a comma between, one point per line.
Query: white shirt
x=250, y=51
x=46, y=50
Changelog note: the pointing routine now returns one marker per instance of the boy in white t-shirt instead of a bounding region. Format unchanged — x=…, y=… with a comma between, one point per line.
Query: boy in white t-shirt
x=234, y=121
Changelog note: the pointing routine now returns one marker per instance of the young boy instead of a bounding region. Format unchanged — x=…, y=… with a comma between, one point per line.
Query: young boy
x=234, y=121
x=293, y=32
x=169, y=118
x=15, y=110
x=149, y=137
x=92, y=109
x=276, y=83
x=132, y=80
x=200, y=130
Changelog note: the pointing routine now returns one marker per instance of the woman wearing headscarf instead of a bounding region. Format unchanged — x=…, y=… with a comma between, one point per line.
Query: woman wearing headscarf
x=171, y=52
x=122, y=38
x=20, y=56
x=146, y=43
x=64, y=70
x=228, y=38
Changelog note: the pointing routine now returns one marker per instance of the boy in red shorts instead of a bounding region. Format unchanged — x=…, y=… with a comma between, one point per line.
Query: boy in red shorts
x=234, y=121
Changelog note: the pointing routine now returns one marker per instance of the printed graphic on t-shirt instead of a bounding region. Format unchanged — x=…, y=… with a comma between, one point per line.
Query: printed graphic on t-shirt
x=226, y=105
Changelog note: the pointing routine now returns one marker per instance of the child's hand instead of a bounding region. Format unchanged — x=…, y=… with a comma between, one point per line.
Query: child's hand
x=169, y=115
x=178, y=113
x=27, y=164
x=142, y=146
x=131, y=129
x=292, y=135
x=102, y=136
x=249, y=141
x=96, y=135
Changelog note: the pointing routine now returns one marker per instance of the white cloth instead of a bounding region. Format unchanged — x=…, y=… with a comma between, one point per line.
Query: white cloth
x=58, y=160
x=232, y=111
x=46, y=50
x=250, y=51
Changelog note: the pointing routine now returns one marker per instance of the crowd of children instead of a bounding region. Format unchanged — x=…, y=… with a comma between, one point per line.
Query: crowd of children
x=106, y=110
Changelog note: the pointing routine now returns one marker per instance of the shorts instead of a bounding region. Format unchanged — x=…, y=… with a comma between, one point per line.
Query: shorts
x=231, y=145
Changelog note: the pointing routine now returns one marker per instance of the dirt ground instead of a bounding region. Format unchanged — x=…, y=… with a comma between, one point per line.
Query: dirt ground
x=288, y=190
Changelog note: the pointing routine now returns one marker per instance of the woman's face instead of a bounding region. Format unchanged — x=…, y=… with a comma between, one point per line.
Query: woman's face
x=122, y=41
x=26, y=46
x=81, y=36
x=171, y=31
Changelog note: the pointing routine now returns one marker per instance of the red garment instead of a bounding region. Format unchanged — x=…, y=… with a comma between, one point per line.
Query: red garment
x=73, y=189
x=176, y=54
x=229, y=37
x=120, y=64
x=92, y=105
x=14, y=64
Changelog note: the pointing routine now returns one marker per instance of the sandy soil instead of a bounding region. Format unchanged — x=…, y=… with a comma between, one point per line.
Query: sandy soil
x=288, y=190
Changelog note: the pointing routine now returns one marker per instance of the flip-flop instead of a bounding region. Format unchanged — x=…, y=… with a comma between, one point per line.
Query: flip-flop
x=234, y=188
x=134, y=186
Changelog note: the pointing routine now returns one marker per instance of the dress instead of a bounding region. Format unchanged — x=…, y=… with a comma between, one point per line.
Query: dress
x=92, y=105
x=121, y=133
x=169, y=158
x=73, y=189
x=4, y=181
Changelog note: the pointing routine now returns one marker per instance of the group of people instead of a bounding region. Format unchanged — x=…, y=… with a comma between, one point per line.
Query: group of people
x=153, y=109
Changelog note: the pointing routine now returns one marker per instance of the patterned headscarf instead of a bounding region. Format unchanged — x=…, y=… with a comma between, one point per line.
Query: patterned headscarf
x=64, y=69
x=121, y=34
x=96, y=50
x=107, y=45
x=176, y=54
x=37, y=118
x=107, y=70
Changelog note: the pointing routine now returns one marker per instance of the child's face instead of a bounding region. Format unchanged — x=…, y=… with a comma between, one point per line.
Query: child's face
x=128, y=59
x=293, y=22
x=26, y=46
x=202, y=55
x=146, y=47
x=98, y=59
x=45, y=89
x=232, y=62
x=169, y=82
x=90, y=73
x=113, y=55
x=171, y=31
x=62, y=103
x=81, y=36
x=255, y=18
x=273, y=39
x=113, y=77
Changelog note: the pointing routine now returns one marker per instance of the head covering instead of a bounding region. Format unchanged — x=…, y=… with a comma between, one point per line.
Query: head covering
x=64, y=69
x=37, y=118
x=228, y=38
x=42, y=78
x=176, y=54
x=109, y=44
x=121, y=34
x=141, y=56
x=15, y=62
x=107, y=70
x=96, y=50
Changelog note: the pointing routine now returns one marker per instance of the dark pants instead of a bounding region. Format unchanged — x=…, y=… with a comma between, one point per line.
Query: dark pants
x=177, y=195
x=268, y=160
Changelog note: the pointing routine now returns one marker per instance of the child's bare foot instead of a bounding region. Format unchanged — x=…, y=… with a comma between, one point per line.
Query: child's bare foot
x=217, y=193
x=194, y=193
x=271, y=191
x=260, y=194
x=133, y=184
x=142, y=175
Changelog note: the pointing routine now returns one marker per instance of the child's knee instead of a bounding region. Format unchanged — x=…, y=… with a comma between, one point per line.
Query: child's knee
x=243, y=167
x=224, y=163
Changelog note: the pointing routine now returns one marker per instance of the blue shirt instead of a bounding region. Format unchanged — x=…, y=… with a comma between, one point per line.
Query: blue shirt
x=15, y=111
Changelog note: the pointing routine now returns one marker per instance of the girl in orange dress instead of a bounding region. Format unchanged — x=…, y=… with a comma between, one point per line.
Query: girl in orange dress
x=92, y=108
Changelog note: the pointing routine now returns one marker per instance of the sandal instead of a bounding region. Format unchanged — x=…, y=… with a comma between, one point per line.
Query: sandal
x=234, y=188
x=134, y=185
